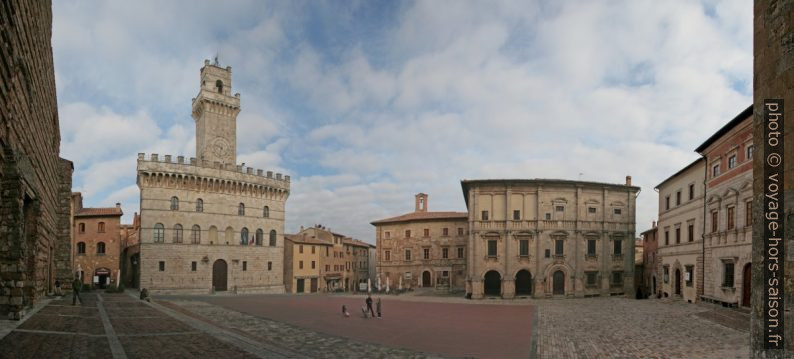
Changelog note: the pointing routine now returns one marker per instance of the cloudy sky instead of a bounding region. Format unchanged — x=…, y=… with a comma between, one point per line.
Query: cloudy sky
x=365, y=103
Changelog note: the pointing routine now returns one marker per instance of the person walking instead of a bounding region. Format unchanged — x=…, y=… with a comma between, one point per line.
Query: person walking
x=369, y=306
x=58, y=291
x=77, y=285
x=377, y=305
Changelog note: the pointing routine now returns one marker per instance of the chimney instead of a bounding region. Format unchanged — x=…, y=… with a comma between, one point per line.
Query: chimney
x=421, y=202
x=653, y=225
x=301, y=228
x=628, y=180
x=118, y=205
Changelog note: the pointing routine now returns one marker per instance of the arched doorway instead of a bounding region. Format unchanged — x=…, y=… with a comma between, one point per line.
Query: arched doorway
x=219, y=275
x=677, y=281
x=523, y=282
x=426, y=279
x=746, y=285
x=559, y=283
x=493, y=283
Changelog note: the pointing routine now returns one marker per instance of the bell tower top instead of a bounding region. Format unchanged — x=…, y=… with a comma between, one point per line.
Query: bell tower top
x=215, y=113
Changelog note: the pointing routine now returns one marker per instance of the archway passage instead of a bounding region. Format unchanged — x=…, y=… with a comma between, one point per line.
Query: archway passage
x=219, y=275
x=559, y=283
x=746, y=285
x=523, y=282
x=493, y=283
x=678, y=281
x=426, y=279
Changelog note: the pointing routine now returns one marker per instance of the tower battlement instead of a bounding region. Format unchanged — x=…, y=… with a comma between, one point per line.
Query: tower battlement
x=192, y=165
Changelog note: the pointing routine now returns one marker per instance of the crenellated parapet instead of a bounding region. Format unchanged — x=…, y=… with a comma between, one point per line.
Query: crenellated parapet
x=193, y=173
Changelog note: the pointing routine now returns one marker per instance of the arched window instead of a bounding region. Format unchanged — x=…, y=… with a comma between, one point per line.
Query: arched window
x=241, y=209
x=159, y=233
x=244, y=236
x=266, y=212
x=195, y=234
x=100, y=248
x=229, y=235
x=81, y=248
x=219, y=86
x=213, y=234
x=199, y=205
x=273, y=238
x=174, y=203
x=100, y=228
x=260, y=234
x=177, y=233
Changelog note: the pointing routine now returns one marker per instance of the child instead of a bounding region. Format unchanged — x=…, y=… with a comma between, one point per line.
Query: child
x=344, y=311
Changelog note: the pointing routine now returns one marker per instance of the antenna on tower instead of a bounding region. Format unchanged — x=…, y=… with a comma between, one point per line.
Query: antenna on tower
x=216, y=59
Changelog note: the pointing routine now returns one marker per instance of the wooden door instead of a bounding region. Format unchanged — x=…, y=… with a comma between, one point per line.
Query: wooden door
x=300, y=285
x=559, y=283
x=314, y=285
x=426, y=279
x=219, y=275
x=747, y=277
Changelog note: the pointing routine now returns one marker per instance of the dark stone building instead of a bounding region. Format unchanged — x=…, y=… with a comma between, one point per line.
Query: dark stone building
x=35, y=183
x=773, y=70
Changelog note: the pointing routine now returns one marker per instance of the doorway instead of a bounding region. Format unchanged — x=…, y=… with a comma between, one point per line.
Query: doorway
x=313, y=285
x=559, y=283
x=678, y=282
x=523, y=282
x=300, y=285
x=426, y=279
x=747, y=277
x=102, y=276
x=493, y=283
x=219, y=276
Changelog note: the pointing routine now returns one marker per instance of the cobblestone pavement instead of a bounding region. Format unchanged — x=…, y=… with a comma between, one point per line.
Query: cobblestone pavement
x=628, y=328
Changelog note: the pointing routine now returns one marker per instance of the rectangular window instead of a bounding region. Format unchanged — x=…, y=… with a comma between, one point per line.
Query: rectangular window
x=313, y=265
x=162, y=266
x=300, y=248
x=269, y=265
x=728, y=276
x=667, y=202
x=689, y=275
x=387, y=255
x=484, y=215
x=732, y=161
x=445, y=253
x=591, y=247
x=558, y=247
x=193, y=266
x=666, y=271
x=748, y=214
x=327, y=267
x=81, y=226
x=591, y=210
x=618, y=247
x=678, y=198
x=445, y=274
x=460, y=231
x=691, y=232
x=548, y=216
x=678, y=235
x=559, y=208
x=548, y=253
x=445, y=232
x=714, y=221
x=715, y=170
x=408, y=254
x=427, y=232
x=408, y=233
x=300, y=265
x=667, y=238
x=312, y=249
x=460, y=252
x=730, y=217
x=618, y=211
x=523, y=248
x=516, y=215
x=591, y=278
x=617, y=279
x=691, y=191
x=426, y=253
x=750, y=150
x=327, y=250
x=245, y=266
x=388, y=234
x=491, y=248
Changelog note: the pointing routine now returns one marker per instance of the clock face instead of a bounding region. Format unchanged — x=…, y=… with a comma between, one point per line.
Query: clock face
x=220, y=147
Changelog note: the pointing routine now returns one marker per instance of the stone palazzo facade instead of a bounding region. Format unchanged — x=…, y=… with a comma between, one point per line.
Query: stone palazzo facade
x=549, y=238
x=35, y=183
x=208, y=224
x=422, y=248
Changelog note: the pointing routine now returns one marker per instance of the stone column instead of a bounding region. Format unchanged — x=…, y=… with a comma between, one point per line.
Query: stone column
x=773, y=68
x=508, y=287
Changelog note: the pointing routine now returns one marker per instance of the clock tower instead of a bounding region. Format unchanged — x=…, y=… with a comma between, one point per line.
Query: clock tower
x=215, y=112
